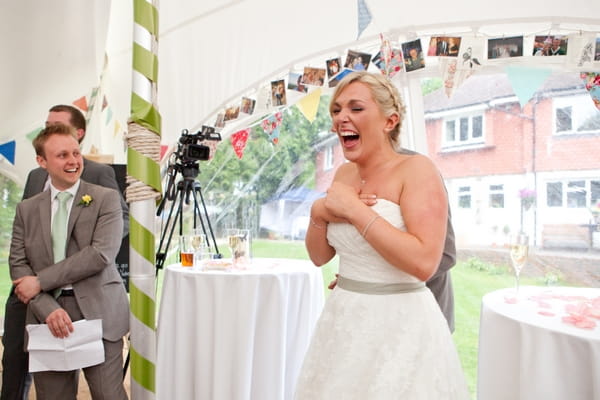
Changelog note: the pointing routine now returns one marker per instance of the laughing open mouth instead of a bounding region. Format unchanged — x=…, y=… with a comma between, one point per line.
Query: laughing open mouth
x=349, y=137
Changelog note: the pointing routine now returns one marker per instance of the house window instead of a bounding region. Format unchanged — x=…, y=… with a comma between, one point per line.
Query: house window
x=496, y=196
x=564, y=121
x=580, y=193
x=450, y=131
x=328, y=158
x=575, y=114
x=576, y=194
x=594, y=193
x=463, y=130
x=464, y=197
x=554, y=194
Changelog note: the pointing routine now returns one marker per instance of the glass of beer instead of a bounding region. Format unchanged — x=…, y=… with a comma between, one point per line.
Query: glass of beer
x=186, y=250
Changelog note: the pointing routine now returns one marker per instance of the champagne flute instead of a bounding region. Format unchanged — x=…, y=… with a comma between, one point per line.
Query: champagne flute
x=198, y=240
x=233, y=240
x=519, y=249
x=199, y=245
x=238, y=241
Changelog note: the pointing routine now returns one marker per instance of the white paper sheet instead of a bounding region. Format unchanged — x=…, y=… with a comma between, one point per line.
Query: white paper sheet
x=82, y=348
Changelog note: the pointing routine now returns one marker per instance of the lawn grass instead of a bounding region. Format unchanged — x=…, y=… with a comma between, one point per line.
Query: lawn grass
x=471, y=279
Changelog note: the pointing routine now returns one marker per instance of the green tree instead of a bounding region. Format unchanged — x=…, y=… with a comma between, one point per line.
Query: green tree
x=429, y=85
x=237, y=188
x=10, y=195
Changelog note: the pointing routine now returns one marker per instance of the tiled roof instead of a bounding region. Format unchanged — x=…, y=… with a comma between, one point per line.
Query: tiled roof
x=481, y=88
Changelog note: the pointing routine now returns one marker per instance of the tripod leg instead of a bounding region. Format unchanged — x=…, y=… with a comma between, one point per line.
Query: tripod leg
x=198, y=192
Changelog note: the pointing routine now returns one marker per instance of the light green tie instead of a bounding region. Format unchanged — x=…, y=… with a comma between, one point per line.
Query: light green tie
x=59, y=227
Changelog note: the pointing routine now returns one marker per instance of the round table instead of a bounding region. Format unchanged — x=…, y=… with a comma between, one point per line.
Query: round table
x=236, y=334
x=543, y=345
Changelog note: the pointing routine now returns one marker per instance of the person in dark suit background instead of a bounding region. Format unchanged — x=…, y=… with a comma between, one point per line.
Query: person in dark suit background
x=15, y=377
x=440, y=283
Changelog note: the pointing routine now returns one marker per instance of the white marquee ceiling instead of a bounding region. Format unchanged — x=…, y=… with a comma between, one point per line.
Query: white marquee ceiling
x=213, y=52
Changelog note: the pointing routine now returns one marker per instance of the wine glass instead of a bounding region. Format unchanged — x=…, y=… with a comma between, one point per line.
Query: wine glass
x=198, y=240
x=199, y=244
x=238, y=241
x=519, y=249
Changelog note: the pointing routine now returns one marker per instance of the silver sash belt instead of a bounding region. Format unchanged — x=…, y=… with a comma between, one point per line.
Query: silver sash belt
x=379, y=288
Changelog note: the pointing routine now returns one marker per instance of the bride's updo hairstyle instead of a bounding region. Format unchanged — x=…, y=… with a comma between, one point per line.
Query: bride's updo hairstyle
x=384, y=94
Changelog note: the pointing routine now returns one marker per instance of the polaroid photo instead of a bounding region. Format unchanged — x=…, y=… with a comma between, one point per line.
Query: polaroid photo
x=413, y=55
x=247, y=106
x=334, y=66
x=278, y=94
x=357, y=61
x=505, y=47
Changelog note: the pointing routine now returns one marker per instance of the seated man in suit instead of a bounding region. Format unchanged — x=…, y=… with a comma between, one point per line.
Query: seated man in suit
x=15, y=377
x=71, y=276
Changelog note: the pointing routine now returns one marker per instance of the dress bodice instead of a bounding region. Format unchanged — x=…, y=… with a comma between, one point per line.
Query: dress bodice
x=360, y=261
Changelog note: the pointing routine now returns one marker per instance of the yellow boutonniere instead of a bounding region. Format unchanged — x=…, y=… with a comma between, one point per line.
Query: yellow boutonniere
x=86, y=200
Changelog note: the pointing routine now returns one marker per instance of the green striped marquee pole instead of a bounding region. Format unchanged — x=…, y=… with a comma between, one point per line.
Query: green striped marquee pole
x=143, y=191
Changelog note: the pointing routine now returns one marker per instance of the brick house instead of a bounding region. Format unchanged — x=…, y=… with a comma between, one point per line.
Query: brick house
x=491, y=151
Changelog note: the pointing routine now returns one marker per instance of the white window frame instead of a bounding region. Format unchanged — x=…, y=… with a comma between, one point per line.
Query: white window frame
x=582, y=107
x=566, y=190
x=470, y=140
x=496, y=191
x=467, y=192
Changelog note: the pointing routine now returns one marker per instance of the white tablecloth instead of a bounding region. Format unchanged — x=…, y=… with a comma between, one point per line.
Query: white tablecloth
x=234, y=335
x=531, y=349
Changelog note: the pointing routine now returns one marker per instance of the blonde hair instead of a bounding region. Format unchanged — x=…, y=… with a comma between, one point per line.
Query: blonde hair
x=384, y=94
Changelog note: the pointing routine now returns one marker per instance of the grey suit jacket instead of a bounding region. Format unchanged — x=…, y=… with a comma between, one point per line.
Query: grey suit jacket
x=93, y=172
x=94, y=238
x=440, y=283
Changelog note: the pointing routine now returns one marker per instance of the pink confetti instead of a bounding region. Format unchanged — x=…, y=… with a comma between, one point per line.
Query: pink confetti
x=546, y=313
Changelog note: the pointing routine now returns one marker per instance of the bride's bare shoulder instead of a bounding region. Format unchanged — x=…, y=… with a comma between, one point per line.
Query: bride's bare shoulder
x=345, y=170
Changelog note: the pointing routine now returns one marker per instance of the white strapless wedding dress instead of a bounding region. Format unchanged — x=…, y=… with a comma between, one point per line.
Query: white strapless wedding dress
x=379, y=346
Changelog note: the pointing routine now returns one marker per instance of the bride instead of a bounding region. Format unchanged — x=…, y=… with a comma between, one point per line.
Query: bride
x=381, y=334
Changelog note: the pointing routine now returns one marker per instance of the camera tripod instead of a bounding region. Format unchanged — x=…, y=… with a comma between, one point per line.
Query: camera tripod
x=177, y=194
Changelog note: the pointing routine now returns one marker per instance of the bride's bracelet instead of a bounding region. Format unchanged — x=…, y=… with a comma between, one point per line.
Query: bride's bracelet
x=312, y=221
x=368, y=225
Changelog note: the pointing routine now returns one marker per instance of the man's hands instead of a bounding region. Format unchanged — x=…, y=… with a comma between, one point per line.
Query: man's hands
x=59, y=323
x=27, y=287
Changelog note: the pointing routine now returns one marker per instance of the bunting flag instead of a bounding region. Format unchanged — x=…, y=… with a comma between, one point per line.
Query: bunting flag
x=452, y=76
x=31, y=135
x=525, y=81
x=91, y=104
x=364, y=17
x=7, y=150
x=238, y=141
x=592, y=84
x=271, y=126
x=117, y=128
x=388, y=60
x=109, y=114
x=81, y=103
x=309, y=105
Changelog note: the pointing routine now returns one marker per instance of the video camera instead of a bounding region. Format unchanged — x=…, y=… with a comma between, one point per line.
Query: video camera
x=190, y=149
